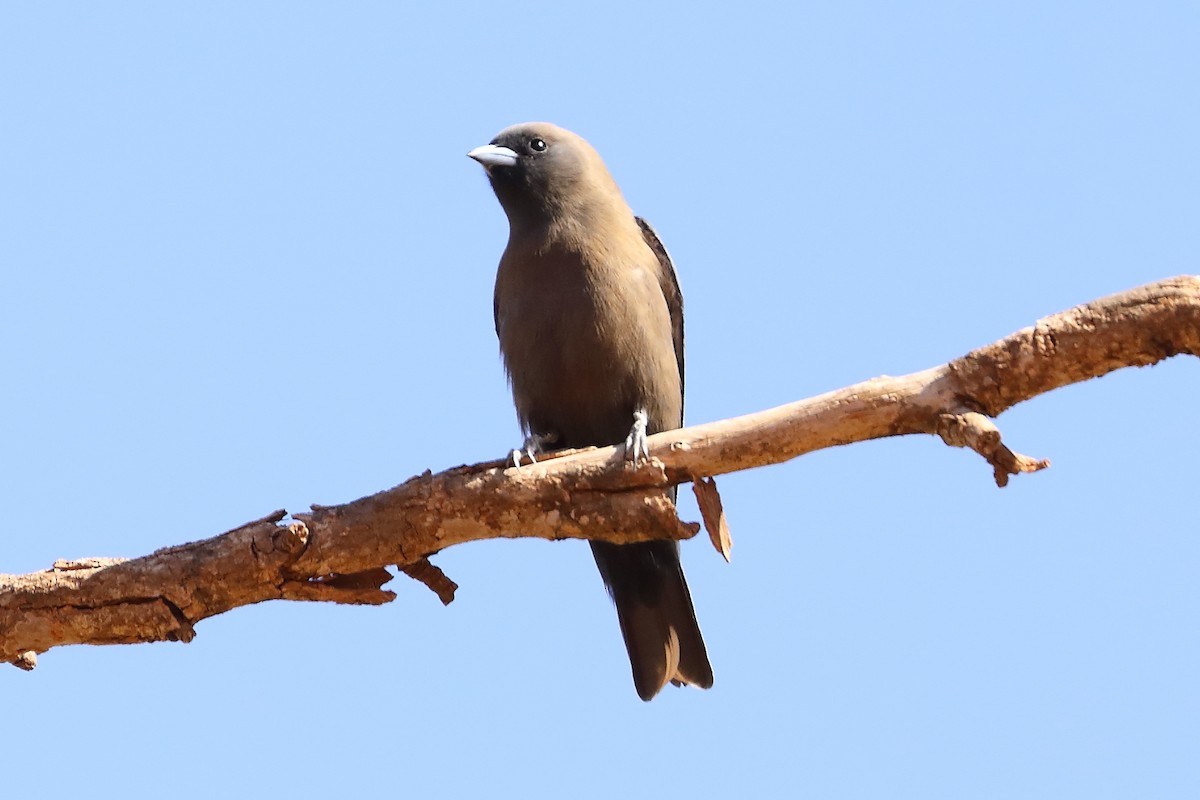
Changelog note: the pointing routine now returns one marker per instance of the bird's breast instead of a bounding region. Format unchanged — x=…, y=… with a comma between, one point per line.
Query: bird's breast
x=586, y=341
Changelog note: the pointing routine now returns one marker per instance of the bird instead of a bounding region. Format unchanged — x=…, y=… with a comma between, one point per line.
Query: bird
x=589, y=317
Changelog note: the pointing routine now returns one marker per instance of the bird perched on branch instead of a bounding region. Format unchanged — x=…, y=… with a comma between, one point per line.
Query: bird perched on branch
x=590, y=320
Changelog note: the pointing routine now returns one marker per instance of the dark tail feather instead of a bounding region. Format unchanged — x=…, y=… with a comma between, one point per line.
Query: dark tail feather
x=655, y=610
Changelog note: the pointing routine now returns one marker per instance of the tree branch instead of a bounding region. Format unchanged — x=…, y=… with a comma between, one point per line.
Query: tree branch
x=339, y=553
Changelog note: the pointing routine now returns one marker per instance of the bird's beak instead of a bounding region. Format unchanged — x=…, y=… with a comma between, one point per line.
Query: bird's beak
x=492, y=155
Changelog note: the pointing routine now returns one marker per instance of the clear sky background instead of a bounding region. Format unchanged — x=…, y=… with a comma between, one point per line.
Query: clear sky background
x=246, y=265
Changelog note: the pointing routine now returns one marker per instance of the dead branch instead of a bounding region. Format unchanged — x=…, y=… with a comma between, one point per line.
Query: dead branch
x=339, y=553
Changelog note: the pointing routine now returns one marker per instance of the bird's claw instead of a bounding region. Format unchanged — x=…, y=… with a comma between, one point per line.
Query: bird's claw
x=531, y=448
x=636, y=447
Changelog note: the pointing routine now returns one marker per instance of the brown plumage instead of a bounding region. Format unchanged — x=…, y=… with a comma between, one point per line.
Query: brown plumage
x=590, y=321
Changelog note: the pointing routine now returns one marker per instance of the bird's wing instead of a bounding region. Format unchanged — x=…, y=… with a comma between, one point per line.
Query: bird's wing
x=668, y=281
x=496, y=313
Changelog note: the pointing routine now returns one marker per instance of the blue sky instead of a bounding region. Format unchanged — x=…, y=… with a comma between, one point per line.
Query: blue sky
x=247, y=266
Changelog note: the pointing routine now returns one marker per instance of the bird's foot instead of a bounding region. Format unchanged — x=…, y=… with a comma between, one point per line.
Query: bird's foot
x=533, y=446
x=636, y=448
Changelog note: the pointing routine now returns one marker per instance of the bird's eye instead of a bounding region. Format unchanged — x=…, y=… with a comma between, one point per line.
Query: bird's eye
x=537, y=145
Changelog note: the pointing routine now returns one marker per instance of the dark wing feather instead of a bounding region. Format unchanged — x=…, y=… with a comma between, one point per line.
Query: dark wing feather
x=668, y=281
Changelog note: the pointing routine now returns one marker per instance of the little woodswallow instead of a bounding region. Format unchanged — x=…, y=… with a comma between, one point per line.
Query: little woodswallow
x=590, y=320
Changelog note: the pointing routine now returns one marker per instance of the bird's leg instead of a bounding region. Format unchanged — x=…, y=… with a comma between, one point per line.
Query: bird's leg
x=533, y=445
x=636, y=448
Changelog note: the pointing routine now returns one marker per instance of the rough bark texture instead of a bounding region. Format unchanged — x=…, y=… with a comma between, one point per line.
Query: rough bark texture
x=339, y=553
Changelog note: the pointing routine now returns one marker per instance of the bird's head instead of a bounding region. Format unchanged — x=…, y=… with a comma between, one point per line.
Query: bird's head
x=542, y=172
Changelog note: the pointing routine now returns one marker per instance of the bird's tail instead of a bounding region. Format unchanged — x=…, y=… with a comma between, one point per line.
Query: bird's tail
x=655, y=610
